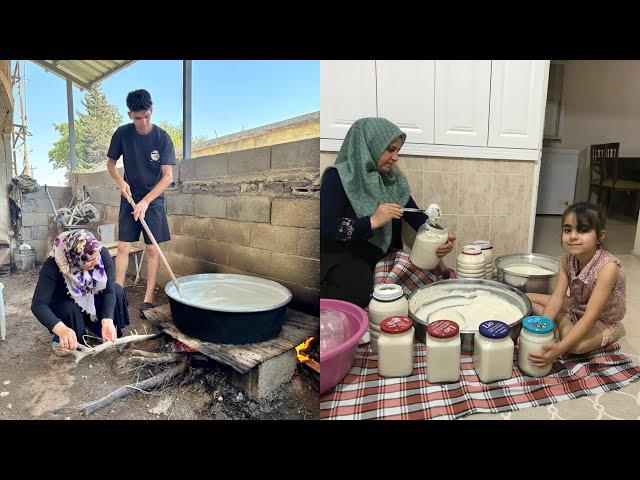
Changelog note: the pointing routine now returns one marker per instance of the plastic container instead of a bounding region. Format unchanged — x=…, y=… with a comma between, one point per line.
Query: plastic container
x=388, y=301
x=3, y=319
x=428, y=239
x=395, y=347
x=487, y=253
x=336, y=362
x=443, y=351
x=470, y=263
x=107, y=232
x=536, y=331
x=24, y=258
x=493, y=351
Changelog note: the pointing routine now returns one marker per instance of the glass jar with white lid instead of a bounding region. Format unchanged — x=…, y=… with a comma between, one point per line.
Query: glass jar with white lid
x=388, y=301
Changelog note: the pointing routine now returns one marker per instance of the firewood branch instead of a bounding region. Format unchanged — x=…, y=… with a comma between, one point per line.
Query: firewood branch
x=89, y=352
x=155, y=381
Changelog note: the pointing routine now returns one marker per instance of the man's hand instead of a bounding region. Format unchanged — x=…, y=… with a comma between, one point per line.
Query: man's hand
x=549, y=352
x=445, y=248
x=67, y=336
x=384, y=214
x=125, y=190
x=140, y=209
x=108, y=330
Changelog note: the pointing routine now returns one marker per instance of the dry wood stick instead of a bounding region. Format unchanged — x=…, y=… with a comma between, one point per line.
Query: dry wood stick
x=155, y=244
x=90, y=407
x=156, y=360
x=89, y=352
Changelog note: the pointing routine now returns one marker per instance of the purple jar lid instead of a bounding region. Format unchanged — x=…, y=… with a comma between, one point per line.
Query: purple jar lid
x=494, y=329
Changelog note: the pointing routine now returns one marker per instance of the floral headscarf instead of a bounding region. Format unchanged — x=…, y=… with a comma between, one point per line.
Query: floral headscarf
x=71, y=250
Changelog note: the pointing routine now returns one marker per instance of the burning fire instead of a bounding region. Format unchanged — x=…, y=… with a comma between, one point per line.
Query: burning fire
x=300, y=349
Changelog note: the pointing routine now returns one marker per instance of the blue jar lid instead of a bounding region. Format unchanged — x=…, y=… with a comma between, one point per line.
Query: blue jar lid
x=494, y=329
x=538, y=324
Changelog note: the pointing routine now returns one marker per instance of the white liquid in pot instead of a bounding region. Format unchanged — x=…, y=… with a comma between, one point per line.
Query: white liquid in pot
x=527, y=269
x=213, y=295
x=469, y=309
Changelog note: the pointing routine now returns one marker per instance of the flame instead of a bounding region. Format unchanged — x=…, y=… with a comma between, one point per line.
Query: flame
x=300, y=349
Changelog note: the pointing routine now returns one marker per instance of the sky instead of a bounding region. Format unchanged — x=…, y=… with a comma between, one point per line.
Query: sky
x=227, y=97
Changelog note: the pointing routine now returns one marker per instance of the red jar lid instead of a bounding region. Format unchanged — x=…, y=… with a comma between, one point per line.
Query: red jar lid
x=443, y=329
x=396, y=324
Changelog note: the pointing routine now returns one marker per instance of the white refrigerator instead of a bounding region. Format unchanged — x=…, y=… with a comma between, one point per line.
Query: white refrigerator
x=557, y=183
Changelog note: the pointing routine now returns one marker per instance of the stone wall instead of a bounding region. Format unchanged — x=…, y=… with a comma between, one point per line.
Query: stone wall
x=481, y=199
x=252, y=212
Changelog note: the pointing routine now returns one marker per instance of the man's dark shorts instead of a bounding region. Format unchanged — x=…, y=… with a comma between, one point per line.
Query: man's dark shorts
x=155, y=216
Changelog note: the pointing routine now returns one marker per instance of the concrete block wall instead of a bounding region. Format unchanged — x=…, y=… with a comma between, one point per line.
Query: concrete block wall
x=37, y=214
x=251, y=212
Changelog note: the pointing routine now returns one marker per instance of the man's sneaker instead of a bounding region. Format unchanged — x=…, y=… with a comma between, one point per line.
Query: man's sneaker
x=57, y=348
x=144, y=307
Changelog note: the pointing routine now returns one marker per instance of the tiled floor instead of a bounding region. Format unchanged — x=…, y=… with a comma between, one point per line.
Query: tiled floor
x=620, y=404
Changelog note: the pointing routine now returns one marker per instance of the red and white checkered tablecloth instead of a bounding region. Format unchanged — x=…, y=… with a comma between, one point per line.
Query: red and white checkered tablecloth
x=363, y=394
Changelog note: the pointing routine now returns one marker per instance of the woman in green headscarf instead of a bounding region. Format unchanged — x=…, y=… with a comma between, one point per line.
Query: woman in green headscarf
x=361, y=201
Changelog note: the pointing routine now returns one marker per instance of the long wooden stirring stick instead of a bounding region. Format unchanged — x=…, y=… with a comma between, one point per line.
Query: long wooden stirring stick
x=155, y=244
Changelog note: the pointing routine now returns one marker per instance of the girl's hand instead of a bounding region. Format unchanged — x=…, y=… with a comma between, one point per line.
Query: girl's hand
x=384, y=214
x=445, y=248
x=549, y=352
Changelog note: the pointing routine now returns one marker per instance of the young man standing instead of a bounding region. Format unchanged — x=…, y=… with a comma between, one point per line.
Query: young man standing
x=148, y=154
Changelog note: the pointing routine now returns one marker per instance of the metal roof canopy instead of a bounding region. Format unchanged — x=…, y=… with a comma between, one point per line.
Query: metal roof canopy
x=84, y=73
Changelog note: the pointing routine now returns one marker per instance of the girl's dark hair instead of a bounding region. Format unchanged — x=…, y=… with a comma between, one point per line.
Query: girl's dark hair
x=588, y=217
x=139, y=100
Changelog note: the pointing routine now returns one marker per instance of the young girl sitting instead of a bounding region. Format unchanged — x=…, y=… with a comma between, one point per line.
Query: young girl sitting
x=591, y=314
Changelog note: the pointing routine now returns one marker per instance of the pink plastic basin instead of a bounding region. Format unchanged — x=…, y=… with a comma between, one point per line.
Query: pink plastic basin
x=336, y=362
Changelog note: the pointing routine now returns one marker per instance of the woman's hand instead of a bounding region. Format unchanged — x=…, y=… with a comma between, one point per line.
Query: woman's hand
x=108, y=330
x=67, y=336
x=446, y=247
x=549, y=352
x=384, y=214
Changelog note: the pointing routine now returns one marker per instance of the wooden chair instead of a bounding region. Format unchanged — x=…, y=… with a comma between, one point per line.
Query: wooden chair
x=601, y=166
x=626, y=181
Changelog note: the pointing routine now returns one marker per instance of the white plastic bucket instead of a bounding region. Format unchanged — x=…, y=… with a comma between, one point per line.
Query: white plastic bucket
x=107, y=232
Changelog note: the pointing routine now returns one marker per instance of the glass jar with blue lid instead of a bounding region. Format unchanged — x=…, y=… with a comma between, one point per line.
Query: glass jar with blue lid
x=536, y=331
x=493, y=351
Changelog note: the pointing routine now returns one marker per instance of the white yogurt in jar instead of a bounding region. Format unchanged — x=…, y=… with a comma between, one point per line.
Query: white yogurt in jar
x=388, y=301
x=429, y=238
x=443, y=347
x=536, y=331
x=493, y=351
x=395, y=347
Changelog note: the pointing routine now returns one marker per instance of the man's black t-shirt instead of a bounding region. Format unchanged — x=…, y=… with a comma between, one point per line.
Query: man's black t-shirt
x=143, y=155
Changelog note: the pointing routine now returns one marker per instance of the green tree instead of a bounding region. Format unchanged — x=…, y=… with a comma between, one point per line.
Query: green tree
x=175, y=132
x=93, y=130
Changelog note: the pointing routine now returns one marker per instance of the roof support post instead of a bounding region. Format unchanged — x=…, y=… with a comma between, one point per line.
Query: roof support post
x=72, y=129
x=186, y=109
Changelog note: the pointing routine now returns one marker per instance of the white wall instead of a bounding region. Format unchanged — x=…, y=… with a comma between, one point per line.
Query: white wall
x=602, y=104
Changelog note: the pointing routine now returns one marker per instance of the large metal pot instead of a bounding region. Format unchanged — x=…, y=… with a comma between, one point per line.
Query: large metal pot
x=445, y=288
x=227, y=308
x=528, y=283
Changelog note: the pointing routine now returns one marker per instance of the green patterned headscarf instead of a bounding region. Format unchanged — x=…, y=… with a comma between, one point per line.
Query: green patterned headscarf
x=357, y=165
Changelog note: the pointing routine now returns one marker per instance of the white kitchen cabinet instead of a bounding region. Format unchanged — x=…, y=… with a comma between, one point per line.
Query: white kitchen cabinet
x=518, y=100
x=462, y=90
x=347, y=93
x=406, y=96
